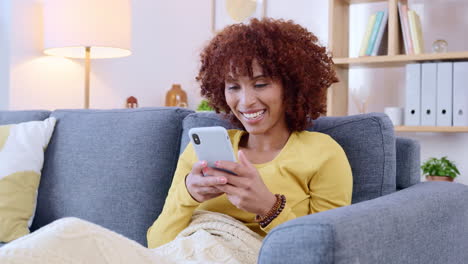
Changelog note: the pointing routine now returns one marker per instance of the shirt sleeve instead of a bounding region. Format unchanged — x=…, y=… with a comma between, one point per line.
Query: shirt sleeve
x=178, y=208
x=332, y=185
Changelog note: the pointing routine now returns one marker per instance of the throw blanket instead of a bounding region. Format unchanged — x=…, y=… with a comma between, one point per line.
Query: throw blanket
x=210, y=238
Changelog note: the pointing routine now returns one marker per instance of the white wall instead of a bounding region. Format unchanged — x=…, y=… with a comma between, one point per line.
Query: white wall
x=38, y=81
x=167, y=40
x=4, y=54
x=167, y=37
x=311, y=14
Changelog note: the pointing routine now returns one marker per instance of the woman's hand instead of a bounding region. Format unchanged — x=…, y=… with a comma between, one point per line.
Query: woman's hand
x=203, y=188
x=245, y=190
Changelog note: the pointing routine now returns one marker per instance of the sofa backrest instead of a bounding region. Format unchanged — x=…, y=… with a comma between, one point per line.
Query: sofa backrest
x=367, y=139
x=15, y=117
x=110, y=167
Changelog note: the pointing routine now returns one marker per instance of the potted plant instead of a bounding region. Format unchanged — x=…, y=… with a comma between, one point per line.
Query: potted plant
x=204, y=106
x=440, y=169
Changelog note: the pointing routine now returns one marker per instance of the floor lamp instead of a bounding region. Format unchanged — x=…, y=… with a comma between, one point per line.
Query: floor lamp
x=87, y=29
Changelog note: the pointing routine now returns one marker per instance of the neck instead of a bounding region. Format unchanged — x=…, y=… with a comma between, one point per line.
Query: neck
x=273, y=140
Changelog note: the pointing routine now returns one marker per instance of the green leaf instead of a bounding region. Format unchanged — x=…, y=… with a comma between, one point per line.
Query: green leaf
x=204, y=106
x=440, y=167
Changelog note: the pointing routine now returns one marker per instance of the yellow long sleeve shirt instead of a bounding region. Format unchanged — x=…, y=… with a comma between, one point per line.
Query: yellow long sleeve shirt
x=311, y=170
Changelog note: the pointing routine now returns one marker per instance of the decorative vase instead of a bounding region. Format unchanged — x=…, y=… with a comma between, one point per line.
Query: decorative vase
x=439, y=178
x=176, y=96
x=439, y=46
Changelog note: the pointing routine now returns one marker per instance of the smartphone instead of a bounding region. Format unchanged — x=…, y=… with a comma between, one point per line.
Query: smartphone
x=212, y=144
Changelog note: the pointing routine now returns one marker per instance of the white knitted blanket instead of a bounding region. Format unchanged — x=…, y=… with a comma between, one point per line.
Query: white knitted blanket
x=210, y=238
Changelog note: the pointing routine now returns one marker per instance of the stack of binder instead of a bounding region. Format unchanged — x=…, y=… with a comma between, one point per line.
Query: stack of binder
x=437, y=94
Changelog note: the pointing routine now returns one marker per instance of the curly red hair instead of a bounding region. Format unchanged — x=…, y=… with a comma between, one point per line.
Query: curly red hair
x=285, y=51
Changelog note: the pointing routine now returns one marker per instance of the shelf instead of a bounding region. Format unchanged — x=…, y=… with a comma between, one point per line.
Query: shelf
x=364, y=1
x=338, y=44
x=397, y=60
x=460, y=129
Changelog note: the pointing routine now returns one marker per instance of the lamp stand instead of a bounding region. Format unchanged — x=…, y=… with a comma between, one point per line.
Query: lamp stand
x=87, y=73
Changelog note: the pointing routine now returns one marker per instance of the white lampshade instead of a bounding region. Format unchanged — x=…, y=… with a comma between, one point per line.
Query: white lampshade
x=72, y=25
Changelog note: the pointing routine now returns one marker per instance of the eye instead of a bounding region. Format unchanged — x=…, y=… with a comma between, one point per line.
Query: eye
x=261, y=85
x=232, y=87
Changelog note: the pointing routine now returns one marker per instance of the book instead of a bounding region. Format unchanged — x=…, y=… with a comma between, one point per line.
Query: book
x=375, y=30
x=380, y=34
x=419, y=33
x=365, y=39
x=405, y=29
x=416, y=31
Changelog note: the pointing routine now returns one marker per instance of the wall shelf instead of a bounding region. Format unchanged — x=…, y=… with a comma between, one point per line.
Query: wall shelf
x=397, y=60
x=363, y=1
x=443, y=129
x=338, y=44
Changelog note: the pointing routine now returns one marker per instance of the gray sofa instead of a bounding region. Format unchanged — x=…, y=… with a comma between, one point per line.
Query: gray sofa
x=114, y=168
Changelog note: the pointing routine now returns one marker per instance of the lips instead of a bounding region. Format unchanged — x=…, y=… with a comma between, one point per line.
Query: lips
x=253, y=114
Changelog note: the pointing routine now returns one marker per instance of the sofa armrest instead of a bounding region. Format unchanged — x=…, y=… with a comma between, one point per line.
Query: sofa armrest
x=408, y=160
x=425, y=223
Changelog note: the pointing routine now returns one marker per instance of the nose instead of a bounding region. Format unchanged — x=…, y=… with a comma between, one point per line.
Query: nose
x=247, y=97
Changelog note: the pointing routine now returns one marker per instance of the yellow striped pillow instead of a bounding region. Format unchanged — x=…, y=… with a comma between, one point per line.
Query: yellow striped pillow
x=21, y=158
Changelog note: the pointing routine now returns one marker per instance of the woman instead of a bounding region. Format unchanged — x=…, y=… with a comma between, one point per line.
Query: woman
x=270, y=77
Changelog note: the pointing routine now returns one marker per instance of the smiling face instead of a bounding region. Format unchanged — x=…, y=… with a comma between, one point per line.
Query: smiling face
x=256, y=101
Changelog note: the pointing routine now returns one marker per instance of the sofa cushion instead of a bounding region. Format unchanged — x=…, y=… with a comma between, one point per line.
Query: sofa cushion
x=22, y=148
x=367, y=139
x=14, y=117
x=110, y=167
x=369, y=143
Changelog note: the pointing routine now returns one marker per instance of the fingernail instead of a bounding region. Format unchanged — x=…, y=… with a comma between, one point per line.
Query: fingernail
x=204, y=169
x=203, y=163
x=222, y=180
x=216, y=163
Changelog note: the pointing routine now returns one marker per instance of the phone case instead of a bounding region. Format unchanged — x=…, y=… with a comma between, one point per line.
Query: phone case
x=213, y=144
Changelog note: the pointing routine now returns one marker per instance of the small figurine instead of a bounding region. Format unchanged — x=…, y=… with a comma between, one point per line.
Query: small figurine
x=132, y=102
x=176, y=96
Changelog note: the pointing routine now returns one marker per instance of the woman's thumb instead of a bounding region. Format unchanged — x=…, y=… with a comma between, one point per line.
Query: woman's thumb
x=243, y=159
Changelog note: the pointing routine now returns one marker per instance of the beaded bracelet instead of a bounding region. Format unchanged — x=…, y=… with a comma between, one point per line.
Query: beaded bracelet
x=274, y=211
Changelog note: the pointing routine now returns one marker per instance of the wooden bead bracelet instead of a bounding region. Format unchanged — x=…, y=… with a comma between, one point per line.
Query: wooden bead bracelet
x=274, y=211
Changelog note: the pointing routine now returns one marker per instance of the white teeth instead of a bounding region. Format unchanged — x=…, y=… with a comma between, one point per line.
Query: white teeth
x=253, y=115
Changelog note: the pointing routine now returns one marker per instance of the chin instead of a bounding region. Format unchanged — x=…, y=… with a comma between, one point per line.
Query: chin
x=255, y=130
